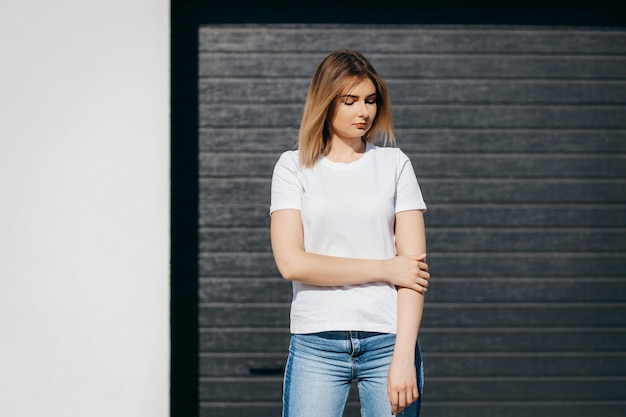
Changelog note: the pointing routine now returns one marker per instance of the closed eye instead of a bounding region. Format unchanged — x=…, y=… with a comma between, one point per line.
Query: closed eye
x=348, y=101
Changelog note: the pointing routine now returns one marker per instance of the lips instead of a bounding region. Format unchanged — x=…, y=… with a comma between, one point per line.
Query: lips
x=360, y=125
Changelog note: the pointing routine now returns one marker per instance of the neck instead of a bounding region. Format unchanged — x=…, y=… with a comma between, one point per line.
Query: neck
x=345, y=151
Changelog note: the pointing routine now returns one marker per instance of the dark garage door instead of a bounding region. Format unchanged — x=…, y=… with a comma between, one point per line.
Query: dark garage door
x=518, y=138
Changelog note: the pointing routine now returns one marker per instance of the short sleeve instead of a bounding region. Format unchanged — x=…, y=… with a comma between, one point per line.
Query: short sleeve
x=408, y=192
x=286, y=186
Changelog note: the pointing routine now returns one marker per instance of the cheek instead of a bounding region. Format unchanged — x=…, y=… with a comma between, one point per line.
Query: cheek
x=342, y=114
x=373, y=112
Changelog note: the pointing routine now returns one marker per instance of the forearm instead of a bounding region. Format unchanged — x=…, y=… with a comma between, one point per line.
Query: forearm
x=322, y=270
x=410, y=308
x=410, y=240
x=402, y=380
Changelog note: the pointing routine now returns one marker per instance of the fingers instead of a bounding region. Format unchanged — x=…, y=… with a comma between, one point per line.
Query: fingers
x=412, y=272
x=421, y=286
x=393, y=399
x=401, y=400
x=423, y=276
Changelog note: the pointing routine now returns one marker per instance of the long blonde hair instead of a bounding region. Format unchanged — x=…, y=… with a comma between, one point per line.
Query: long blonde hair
x=335, y=73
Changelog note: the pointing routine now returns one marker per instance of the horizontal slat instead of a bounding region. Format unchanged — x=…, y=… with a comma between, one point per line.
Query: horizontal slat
x=443, y=409
x=443, y=365
x=444, y=165
x=466, y=389
x=284, y=90
x=244, y=340
x=448, y=240
x=582, y=265
x=548, y=408
x=526, y=290
x=474, y=191
x=440, y=340
x=506, y=92
x=527, y=240
x=523, y=191
x=429, y=116
x=231, y=215
x=405, y=39
x=281, y=65
x=491, y=290
x=227, y=365
x=247, y=140
x=518, y=364
x=435, y=315
x=511, y=141
x=431, y=140
x=464, y=265
x=526, y=216
x=257, y=215
x=235, y=190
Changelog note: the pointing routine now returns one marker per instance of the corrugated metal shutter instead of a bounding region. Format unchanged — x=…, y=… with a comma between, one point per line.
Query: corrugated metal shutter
x=518, y=137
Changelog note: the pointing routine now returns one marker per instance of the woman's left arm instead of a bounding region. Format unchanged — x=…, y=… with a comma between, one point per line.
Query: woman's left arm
x=402, y=379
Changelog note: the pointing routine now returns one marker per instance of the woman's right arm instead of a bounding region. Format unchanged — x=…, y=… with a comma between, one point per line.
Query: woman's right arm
x=310, y=268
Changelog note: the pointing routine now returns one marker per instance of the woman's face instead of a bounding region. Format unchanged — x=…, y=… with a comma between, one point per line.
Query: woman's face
x=355, y=111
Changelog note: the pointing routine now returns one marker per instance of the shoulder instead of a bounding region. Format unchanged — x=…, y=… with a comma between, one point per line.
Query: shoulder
x=389, y=154
x=288, y=159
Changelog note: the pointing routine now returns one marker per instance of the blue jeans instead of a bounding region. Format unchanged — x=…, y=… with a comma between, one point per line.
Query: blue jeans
x=321, y=367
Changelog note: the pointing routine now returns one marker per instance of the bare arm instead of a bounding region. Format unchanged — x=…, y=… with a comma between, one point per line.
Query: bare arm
x=402, y=381
x=295, y=264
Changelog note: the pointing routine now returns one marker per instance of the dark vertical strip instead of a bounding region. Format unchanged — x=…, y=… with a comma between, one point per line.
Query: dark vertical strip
x=184, y=400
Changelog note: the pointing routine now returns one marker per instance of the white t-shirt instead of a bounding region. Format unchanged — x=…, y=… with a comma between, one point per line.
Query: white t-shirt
x=347, y=210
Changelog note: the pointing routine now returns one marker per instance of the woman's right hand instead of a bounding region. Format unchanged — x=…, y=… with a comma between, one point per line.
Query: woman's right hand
x=408, y=271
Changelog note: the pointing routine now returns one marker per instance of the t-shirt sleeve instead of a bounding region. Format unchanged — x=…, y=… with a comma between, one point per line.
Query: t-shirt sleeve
x=408, y=192
x=286, y=187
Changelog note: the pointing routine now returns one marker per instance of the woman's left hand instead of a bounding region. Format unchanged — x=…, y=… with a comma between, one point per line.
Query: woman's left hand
x=402, y=383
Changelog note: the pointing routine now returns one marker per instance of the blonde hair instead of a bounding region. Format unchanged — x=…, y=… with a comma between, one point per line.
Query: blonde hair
x=333, y=75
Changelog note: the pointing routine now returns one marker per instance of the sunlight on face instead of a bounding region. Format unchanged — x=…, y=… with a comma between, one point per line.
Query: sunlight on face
x=355, y=111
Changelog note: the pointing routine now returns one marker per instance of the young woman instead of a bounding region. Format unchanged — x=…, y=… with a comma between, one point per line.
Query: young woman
x=347, y=229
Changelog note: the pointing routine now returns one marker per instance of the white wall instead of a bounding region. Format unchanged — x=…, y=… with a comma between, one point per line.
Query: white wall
x=84, y=208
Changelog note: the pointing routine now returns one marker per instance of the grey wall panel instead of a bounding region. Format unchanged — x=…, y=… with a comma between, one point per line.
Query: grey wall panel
x=410, y=90
x=434, y=409
x=476, y=66
x=398, y=39
x=446, y=364
x=216, y=240
x=265, y=314
x=446, y=290
x=458, y=191
x=413, y=140
x=518, y=138
x=457, y=265
x=448, y=215
x=430, y=116
x=495, y=340
x=446, y=166
x=475, y=389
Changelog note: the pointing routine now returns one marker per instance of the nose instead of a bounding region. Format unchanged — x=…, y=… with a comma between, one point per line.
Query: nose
x=363, y=112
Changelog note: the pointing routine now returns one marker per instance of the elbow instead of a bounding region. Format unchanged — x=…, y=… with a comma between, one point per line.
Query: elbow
x=288, y=276
x=289, y=263
x=286, y=270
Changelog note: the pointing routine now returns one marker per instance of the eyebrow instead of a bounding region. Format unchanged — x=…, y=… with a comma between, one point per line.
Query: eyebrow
x=353, y=96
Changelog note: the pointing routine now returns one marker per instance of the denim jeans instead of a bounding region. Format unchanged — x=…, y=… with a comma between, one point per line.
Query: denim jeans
x=321, y=367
